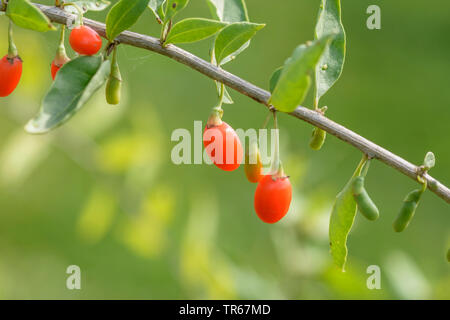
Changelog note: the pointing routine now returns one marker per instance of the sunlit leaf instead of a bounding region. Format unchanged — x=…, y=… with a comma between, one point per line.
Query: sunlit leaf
x=26, y=15
x=123, y=15
x=87, y=5
x=229, y=10
x=295, y=80
x=194, y=29
x=341, y=221
x=73, y=86
x=331, y=63
x=157, y=7
x=173, y=7
x=232, y=38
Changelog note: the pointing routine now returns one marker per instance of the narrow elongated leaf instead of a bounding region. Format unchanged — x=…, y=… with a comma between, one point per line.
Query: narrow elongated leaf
x=173, y=7
x=25, y=15
x=274, y=78
x=73, y=86
x=123, y=15
x=87, y=5
x=295, y=80
x=330, y=65
x=194, y=29
x=341, y=221
x=157, y=7
x=232, y=38
x=228, y=10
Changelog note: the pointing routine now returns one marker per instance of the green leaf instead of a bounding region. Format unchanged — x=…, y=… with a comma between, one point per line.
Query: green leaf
x=229, y=10
x=274, y=78
x=25, y=15
x=293, y=83
x=87, y=5
x=194, y=29
x=123, y=15
x=341, y=221
x=232, y=38
x=157, y=7
x=173, y=7
x=330, y=65
x=429, y=160
x=74, y=85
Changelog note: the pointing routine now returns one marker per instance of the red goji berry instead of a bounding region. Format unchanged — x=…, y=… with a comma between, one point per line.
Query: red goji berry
x=85, y=40
x=223, y=146
x=272, y=198
x=10, y=71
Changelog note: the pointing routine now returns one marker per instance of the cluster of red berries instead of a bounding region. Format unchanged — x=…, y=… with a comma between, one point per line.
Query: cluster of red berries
x=273, y=193
x=83, y=40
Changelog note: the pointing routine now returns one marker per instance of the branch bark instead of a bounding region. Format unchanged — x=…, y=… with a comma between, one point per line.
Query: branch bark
x=262, y=96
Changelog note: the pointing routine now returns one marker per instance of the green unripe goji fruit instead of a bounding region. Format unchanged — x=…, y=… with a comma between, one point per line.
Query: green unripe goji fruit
x=113, y=89
x=317, y=139
x=365, y=204
x=114, y=83
x=407, y=211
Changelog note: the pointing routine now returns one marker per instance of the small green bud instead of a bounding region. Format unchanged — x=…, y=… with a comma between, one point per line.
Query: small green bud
x=317, y=139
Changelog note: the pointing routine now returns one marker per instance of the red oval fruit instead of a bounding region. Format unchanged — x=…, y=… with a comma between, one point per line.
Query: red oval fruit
x=10, y=73
x=85, y=40
x=56, y=66
x=272, y=198
x=54, y=69
x=223, y=146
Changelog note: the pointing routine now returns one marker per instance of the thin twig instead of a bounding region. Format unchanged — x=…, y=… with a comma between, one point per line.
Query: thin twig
x=369, y=148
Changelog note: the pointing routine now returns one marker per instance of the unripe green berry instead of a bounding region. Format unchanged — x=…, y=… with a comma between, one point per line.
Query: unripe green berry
x=407, y=211
x=317, y=139
x=365, y=204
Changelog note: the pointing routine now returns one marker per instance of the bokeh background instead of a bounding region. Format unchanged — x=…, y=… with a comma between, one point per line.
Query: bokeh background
x=101, y=192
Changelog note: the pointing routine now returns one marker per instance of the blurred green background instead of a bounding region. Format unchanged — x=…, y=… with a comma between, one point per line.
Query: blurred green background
x=101, y=192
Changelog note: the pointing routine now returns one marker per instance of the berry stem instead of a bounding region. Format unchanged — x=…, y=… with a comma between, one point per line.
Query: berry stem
x=61, y=52
x=115, y=71
x=12, y=49
x=215, y=118
x=276, y=168
x=365, y=169
x=360, y=166
x=77, y=7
